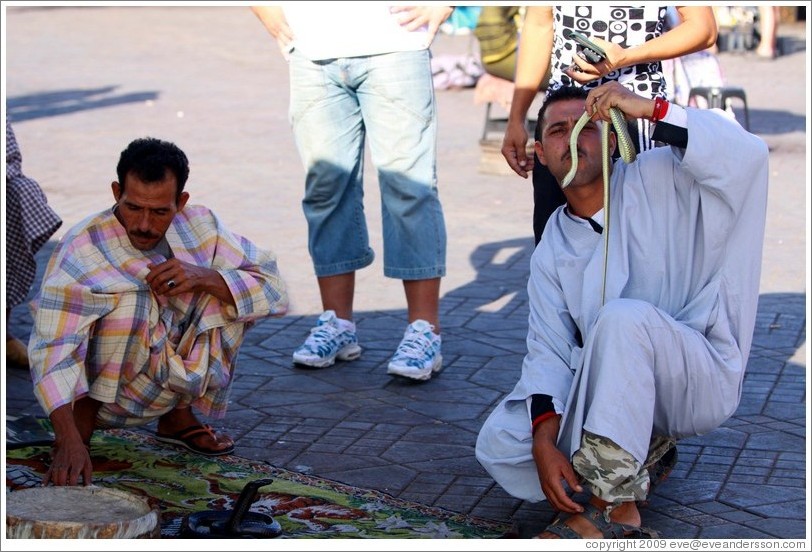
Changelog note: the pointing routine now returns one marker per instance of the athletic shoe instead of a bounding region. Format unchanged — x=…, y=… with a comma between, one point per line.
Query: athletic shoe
x=329, y=340
x=418, y=354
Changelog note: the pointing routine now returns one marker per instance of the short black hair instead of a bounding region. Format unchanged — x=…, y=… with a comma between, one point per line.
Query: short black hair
x=559, y=94
x=149, y=159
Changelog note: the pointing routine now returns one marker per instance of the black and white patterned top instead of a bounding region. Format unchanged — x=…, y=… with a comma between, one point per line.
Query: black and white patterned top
x=624, y=25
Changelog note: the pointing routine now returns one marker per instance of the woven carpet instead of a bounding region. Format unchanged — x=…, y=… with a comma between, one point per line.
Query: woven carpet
x=304, y=506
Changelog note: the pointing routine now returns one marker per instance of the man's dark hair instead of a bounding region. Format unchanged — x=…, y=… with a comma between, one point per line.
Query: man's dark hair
x=149, y=159
x=558, y=95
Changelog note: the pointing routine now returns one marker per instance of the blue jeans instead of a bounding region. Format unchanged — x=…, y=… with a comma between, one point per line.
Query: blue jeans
x=334, y=104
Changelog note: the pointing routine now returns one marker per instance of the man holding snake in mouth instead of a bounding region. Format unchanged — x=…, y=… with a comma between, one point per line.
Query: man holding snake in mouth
x=609, y=384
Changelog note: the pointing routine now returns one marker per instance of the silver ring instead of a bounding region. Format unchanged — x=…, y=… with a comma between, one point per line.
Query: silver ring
x=171, y=284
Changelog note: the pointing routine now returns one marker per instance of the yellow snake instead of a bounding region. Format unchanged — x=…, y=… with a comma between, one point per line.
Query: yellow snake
x=627, y=153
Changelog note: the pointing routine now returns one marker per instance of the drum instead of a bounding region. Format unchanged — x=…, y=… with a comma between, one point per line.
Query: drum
x=79, y=513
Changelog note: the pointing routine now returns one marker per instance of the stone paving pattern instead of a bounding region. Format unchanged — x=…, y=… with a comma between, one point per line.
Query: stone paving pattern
x=81, y=82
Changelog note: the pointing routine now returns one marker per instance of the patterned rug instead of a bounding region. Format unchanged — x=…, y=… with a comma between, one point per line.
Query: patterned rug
x=303, y=505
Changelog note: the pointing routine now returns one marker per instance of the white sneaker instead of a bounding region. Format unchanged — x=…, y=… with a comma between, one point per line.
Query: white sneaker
x=329, y=339
x=418, y=354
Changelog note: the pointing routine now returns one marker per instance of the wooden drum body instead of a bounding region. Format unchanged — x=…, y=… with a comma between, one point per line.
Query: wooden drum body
x=79, y=513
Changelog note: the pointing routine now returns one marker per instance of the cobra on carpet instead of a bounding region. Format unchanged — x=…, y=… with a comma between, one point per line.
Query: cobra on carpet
x=304, y=506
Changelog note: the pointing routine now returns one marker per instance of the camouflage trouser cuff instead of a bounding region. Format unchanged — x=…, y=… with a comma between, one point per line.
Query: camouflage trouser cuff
x=611, y=473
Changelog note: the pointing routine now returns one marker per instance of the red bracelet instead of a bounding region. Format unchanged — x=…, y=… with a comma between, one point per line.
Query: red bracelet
x=541, y=417
x=660, y=109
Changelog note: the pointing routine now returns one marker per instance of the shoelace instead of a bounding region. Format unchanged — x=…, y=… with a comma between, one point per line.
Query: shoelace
x=414, y=346
x=323, y=334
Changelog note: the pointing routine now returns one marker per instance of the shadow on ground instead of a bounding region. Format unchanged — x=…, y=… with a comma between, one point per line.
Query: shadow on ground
x=62, y=102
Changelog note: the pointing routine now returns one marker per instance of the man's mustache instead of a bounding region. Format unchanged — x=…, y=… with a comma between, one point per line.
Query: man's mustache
x=568, y=157
x=146, y=235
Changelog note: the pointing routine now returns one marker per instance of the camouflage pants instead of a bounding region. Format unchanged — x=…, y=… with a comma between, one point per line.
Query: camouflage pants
x=611, y=473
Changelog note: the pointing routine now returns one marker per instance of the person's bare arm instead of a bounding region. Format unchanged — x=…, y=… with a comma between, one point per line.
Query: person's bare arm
x=696, y=31
x=532, y=63
x=70, y=458
x=275, y=22
x=613, y=94
x=414, y=17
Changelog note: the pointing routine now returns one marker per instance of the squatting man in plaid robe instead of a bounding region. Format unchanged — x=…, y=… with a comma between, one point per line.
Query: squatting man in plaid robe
x=142, y=310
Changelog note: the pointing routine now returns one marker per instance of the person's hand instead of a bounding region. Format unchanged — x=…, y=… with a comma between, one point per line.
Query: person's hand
x=174, y=277
x=614, y=94
x=582, y=71
x=70, y=459
x=275, y=22
x=514, y=150
x=414, y=17
x=554, y=467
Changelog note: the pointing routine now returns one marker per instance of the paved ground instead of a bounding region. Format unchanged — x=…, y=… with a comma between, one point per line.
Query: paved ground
x=82, y=82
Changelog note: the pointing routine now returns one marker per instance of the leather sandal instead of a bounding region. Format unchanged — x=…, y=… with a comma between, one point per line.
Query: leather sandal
x=609, y=529
x=187, y=438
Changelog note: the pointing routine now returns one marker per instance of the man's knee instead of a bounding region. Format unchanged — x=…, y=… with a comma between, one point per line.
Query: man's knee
x=499, y=443
x=487, y=443
x=624, y=321
x=509, y=460
x=625, y=313
x=122, y=326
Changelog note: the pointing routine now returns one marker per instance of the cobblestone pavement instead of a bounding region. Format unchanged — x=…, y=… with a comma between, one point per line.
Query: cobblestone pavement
x=81, y=82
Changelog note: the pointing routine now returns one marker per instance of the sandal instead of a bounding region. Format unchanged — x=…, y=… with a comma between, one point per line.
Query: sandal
x=609, y=529
x=186, y=438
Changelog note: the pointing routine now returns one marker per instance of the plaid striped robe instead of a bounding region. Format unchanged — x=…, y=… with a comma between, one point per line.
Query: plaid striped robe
x=100, y=330
x=30, y=222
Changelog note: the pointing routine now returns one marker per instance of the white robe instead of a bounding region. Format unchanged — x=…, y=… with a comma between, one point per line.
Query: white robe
x=666, y=354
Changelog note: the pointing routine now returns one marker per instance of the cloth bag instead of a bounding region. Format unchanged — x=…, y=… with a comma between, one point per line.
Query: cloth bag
x=497, y=30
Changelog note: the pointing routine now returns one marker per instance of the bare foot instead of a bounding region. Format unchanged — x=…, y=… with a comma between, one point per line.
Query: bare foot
x=173, y=426
x=16, y=352
x=176, y=420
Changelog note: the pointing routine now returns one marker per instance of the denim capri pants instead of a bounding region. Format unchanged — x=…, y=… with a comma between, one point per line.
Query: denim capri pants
x=335, y=105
